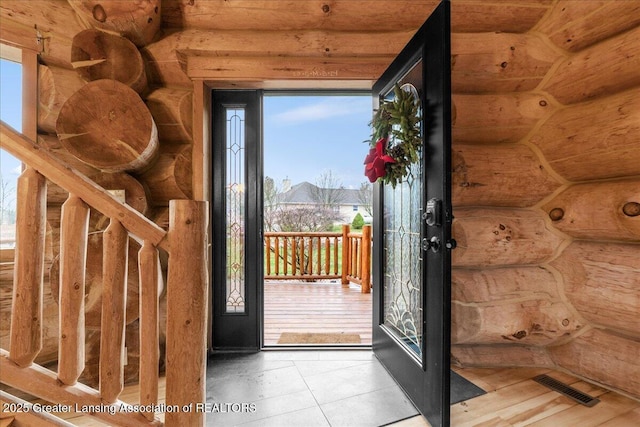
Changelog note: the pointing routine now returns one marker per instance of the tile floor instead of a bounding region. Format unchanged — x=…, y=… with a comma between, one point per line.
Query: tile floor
x=303, y=388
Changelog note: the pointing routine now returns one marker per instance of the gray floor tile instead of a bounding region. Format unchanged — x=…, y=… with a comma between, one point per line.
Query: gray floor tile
x=265, y=408
x=252, y=386
x=376, y=408
x=347, y=382
x=311, y=417
x=309, y=368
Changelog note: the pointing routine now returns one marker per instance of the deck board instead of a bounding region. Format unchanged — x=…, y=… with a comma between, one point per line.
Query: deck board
x=319, y=307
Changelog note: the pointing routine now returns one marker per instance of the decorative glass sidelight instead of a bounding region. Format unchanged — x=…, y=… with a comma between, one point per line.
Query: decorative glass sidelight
x=235, y=210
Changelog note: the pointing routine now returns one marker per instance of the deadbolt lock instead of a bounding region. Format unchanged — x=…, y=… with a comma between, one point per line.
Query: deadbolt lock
x=433, y=213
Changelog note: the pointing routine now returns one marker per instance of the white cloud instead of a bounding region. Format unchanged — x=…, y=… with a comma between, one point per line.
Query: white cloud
x=329, y=107
x=17, y=170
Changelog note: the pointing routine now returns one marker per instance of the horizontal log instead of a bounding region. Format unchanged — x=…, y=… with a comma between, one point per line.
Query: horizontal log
x=43, y=383
x=532, y=321
x=166, y=56
x=137, y=21
x=598, y=211
x=170, y=177
x=172, y=111
x=594, y=140
x=600, y=70
x=108, y=126
x=609, y=359
x=27, y=415
x=466, y=15
x=50, y=25
x=574, y=25
x=55, y=86
x=285, y=68
x=601, y=281
x=498, y=175
x=492, y=237
x=500, y=356
x=501, y=118
x=499, y=62
x=98, y=55
x=503, y=284
x=94, y=282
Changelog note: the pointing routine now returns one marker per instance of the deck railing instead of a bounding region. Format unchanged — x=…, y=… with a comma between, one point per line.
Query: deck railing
x=313, y=256
x=186, y=297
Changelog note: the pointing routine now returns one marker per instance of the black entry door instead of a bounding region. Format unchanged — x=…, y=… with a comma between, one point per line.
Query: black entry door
x=236, y=212
x=412, y=231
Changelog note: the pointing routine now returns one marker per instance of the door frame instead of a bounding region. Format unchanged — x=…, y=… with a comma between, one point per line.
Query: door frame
x=427, y=383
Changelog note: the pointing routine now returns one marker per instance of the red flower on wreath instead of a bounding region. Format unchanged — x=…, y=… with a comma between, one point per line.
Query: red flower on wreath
x=376, y=161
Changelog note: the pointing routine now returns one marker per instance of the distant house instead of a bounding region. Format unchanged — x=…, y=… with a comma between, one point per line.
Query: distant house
x=347, y=202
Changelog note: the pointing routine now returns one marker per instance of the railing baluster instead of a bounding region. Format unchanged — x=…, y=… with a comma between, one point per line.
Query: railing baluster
x=73, y=259
x=319, y=256
x=345, y=254
x=26, y=313
x=309, y=263
x=327, y=255
x=114, y=291
x=277, y=256
x=365, y=264
x=150, y=278
x=335, y=255
x=294, y=255
x=267, y=241
x=285, y=260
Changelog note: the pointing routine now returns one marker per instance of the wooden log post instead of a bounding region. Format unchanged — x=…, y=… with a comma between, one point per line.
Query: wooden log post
x=26, y=318
x=114, y=276
x=150, y=287
x=137, y=21
x=55, y=86
x=365, y=264
x=106, y=125
x=346, y=253
x=187, y=290
x=98, y=55
x=73, y=257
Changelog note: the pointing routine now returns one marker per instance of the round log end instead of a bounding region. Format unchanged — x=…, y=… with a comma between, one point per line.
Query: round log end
x=98, y=55
x=631, y=209
x=107, y=125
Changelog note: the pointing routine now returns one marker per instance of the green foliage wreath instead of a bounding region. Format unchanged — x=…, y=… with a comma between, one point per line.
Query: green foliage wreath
x=395, y=138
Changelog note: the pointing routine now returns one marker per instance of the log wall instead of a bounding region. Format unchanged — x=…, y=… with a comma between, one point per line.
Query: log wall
x=546, y=154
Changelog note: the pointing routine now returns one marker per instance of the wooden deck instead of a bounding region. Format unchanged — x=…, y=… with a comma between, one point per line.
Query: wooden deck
x=315, y=307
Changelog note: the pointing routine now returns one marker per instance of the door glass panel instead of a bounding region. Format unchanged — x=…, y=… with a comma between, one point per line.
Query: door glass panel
x=235, y=194
x=402, y=221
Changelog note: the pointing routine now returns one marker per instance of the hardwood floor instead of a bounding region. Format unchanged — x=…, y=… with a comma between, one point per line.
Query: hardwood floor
x=514, y=399
x=321, y=307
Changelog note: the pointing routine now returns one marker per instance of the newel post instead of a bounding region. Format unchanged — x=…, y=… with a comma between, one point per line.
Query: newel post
x=187, y=289
x=346, y=253
x=365, y=260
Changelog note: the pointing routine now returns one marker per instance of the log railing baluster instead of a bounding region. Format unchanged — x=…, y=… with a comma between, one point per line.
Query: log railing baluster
x=345, y=254
x=26, y=313
x=365, y=264
x=114, y=292
x=150, y=278
x=277, y=256
x=73, y=259
x=268, y=254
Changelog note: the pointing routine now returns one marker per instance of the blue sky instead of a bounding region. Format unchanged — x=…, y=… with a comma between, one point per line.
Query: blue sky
x=307, y=135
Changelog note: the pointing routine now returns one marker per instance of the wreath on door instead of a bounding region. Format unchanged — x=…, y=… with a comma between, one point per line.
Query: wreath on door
x=396, y=139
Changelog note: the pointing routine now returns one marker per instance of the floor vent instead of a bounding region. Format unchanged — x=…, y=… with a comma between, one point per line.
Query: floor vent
x=568, y=391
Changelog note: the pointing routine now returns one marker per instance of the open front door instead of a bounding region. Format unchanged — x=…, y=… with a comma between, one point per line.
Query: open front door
x=412, y=231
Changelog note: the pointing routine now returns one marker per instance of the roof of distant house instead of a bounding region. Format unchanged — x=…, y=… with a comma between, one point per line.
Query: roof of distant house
x=303, y=194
